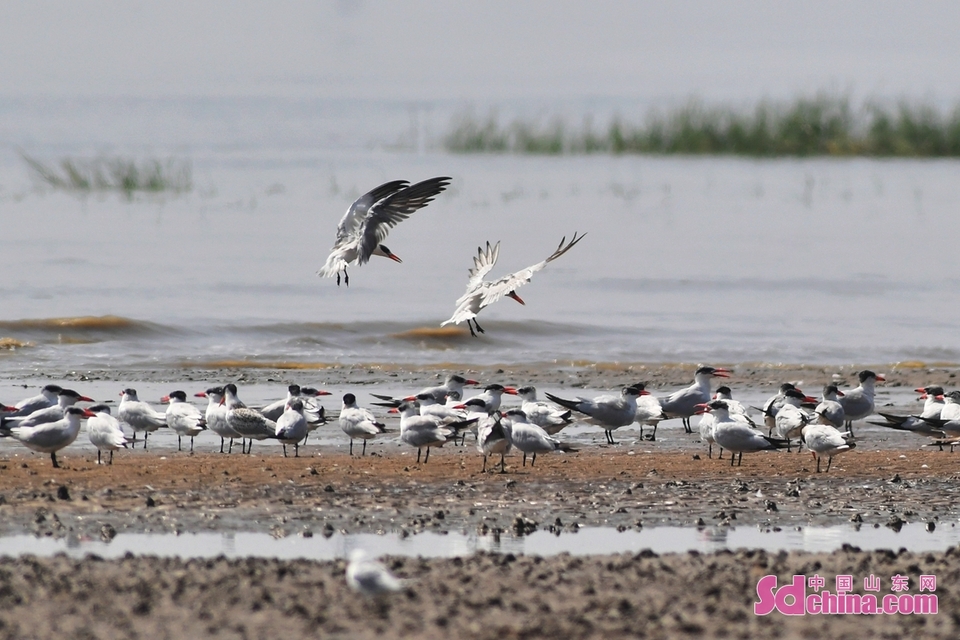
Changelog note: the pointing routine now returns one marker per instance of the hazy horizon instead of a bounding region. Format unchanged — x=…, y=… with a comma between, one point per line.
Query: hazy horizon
x=482, y=53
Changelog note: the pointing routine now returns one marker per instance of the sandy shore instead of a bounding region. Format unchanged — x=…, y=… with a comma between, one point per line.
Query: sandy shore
x=606, y=486
x=631, y=485
x=573, y=374
x=481, y=596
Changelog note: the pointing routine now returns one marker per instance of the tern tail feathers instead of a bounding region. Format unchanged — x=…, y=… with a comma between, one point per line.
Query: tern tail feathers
x=777, y=442
x=567, y=404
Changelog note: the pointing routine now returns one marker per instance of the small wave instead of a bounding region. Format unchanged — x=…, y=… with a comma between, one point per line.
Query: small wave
x=428, y=333
x=83, y=324
x=255, y=364
x=12, y=344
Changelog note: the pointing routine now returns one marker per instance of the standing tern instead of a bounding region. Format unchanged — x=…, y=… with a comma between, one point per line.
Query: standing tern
x=491, y=437
x=50, y=437
x=708, y=420
x=358, y=422
x=425, y=431
x=481, y=293
x=249, y=423
x=493, y=395
x=772, y=406
x=65, y=398
x=649, y=412
x=791, y=418
x=928, y=423
x=683, y=403
x=736, y=436
x=216, y=415
x=825, y=440
x=453, y=384
x=46, y=398
x=544, y=415
x=138, y=415
x=274, y=410
x=949, y=420
x=859, y=403
x=292, y=426
x=184, y=418
x=530, y=438
x=830, y=411
x=430, y=407
x=370, y=577
x=610, y=412
x=104, y=431
x=951, y=406
x=368, y=221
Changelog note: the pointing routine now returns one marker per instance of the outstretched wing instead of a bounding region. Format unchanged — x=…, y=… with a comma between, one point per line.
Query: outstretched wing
x=469, y=303
x=499, y=288
x=389, y=211
x=482, y=265
x=351, y=220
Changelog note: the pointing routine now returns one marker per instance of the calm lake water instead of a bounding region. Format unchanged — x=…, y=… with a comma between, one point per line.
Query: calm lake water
x=686, y=259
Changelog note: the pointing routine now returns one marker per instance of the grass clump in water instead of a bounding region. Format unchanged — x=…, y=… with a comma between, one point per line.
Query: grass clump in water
x=819, y=126
x=125, y=175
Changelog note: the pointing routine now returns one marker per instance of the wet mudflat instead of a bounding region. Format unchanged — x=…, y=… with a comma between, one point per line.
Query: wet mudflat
x=389, y=492
x=632, y=486
x=480, y=596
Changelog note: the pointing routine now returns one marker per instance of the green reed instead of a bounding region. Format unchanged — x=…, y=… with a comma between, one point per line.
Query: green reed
x=125, y=175
x=819, y=126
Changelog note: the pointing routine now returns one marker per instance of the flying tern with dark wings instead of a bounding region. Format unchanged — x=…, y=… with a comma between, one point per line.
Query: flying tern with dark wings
x=367, y=222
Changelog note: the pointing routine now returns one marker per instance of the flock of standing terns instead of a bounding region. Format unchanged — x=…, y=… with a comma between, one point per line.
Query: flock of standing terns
x=434, y=416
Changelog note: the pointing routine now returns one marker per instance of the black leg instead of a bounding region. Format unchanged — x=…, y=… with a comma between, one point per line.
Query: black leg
x=191, y=444
x=418, y=455
x=346, y=278
x=284, y=449
x=296, y=449
x=53, y=456
x=733, y=457
x=740, y=459
x=221, y=444
x=710, y=450
x=503, y=464
x=534, y=461
x=364, y=452
x=98, y=457
x=484, y=469
x=477, y=325
x=111, y=456
x=524, y=458
x=829, y=462
x=426, y=458
x=145, y=434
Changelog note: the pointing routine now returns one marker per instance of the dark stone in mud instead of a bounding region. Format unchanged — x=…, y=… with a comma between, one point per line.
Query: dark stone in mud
x=896, y=522
x=63, y=493
x=524, y=526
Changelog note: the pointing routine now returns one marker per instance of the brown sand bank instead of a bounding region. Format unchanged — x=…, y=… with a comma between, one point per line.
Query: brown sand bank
x=482, y=596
